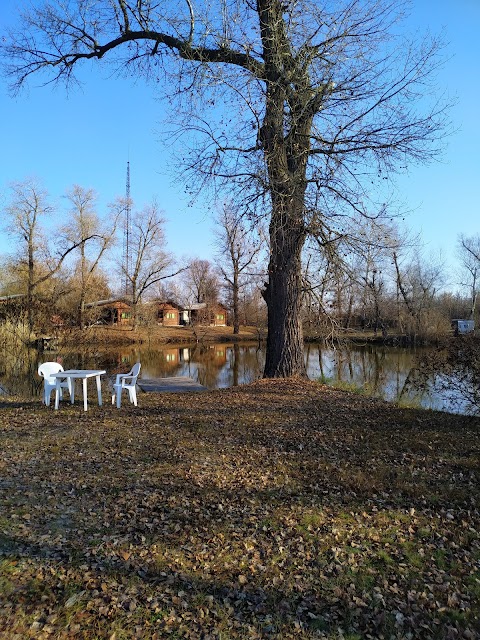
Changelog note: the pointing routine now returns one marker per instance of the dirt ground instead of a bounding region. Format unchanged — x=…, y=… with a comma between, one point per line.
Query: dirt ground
x=281, y=509
x=110, y=335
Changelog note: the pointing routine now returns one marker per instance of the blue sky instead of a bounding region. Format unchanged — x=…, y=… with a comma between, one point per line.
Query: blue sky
x=87, y=137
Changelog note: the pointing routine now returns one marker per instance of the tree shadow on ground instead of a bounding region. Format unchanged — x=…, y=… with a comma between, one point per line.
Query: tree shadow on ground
x=284, y=517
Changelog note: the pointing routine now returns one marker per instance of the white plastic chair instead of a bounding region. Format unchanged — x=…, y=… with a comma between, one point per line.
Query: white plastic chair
x=49, y=383
x=126, y=381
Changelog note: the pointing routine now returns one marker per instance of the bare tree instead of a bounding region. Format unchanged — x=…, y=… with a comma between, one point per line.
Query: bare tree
x=28, y=205
x=320, y=99
x=238, y=249
x=27, y=208
x=347, y=278
x=92, y=237
x=318, y=274
x=419, y=282
x=373, y=245
x=469, y=254
x=148, y=255
x=201, y=282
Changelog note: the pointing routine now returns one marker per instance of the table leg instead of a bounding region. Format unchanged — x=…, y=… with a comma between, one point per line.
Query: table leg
x=84, y=384
x=99, y=391
x=72, y=394
x=57, y=393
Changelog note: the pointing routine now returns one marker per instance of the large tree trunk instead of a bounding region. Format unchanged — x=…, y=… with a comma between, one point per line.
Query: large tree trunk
x=286, y=159
x=283, y=295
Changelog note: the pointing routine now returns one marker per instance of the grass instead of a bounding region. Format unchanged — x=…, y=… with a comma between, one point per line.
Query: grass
x=345, y=385
x=275, y=510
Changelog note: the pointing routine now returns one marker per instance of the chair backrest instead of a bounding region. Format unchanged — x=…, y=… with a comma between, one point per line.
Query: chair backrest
x=135, y=370
x=47, y=368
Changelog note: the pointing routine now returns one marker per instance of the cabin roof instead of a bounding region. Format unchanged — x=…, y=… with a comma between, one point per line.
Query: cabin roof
x=203, y=305
x=109, y=301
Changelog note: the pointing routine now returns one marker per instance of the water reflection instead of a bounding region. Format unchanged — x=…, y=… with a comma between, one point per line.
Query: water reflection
x=386, y=372
x=212, y=365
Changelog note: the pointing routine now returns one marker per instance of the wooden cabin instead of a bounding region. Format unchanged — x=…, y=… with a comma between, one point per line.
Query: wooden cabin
x=219, y=315
x=113, y=311
x=169, y=314
x=208, y=314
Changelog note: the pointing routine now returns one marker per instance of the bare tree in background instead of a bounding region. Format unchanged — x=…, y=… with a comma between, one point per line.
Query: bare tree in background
x=201, y=282
x=346, y=278
x=28, y=208
x=469, y=254
x=148, y=255
x=372, y=246
x=300, y=107
x=238, y=250
x=92, y=237
x=317, y=275
x=419, y=281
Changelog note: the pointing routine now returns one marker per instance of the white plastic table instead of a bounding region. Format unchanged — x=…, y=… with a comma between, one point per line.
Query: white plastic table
x=78, y=374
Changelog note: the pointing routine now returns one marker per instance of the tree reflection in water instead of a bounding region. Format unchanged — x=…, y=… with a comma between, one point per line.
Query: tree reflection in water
x=454, y=370
x=430, y=378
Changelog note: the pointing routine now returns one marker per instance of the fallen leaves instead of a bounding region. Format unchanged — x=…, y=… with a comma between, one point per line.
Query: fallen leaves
x=278, y=509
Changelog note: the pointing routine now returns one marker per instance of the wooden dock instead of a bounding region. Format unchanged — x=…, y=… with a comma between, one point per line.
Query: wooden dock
x=178, y=384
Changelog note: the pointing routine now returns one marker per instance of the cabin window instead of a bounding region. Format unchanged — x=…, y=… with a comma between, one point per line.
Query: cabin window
x=171, y=316
x=220, y=316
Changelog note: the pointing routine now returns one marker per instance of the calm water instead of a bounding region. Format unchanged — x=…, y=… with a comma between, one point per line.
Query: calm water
x=386, y=372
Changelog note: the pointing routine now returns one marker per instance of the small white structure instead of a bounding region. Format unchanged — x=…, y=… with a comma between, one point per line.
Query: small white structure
x=463, y=326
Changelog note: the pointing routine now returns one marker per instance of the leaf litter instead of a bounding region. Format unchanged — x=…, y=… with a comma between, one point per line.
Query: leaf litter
x=280, y=509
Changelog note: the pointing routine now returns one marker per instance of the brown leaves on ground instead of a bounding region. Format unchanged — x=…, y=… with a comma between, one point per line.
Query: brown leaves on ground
x=281, y=509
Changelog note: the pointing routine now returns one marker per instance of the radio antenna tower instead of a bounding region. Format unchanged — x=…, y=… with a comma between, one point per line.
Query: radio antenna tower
x=127, y=258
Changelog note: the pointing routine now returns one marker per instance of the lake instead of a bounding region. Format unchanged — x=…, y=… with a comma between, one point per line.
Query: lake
x=385, y=372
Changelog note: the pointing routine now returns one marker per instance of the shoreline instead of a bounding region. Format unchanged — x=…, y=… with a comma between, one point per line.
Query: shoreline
x=122, y=336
